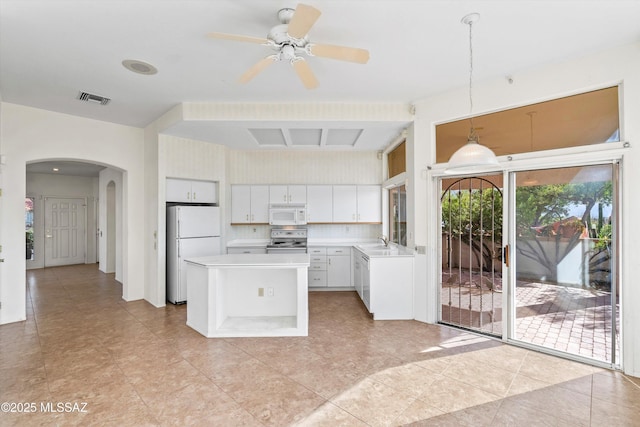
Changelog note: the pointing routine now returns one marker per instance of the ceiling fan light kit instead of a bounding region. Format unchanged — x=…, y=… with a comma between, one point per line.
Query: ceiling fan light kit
x=472, y=157
x=289, y=40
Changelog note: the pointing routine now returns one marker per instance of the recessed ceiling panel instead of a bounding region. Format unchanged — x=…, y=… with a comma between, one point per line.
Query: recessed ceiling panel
x=306, y=137
x=343, y=137
x=269, y=137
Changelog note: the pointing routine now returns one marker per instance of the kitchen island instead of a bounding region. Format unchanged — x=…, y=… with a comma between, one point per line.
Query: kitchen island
x=248, y=295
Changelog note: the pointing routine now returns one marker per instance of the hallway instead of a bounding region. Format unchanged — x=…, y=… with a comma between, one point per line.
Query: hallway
x=134, y=364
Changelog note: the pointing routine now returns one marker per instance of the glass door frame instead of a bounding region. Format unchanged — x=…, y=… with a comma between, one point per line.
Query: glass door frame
x=613, y=158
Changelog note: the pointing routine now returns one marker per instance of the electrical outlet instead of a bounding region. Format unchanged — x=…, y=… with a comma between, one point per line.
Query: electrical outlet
x=260, y=292
x=270, y=292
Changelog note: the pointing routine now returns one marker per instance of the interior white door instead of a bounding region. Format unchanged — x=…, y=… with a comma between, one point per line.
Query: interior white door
x=64, y=224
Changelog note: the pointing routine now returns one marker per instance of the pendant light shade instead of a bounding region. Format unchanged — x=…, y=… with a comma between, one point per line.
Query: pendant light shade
x=472, y=157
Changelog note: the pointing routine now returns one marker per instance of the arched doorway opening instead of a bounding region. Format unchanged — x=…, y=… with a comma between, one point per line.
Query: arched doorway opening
x=111, y=228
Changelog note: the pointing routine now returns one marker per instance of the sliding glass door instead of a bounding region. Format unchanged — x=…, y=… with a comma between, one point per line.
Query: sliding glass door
x=559, y=290
x=564, y=294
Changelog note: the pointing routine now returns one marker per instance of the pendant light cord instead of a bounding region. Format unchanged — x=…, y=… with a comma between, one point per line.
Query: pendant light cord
x=472, y=132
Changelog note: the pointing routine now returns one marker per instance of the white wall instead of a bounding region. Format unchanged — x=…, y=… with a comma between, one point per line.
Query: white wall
x=110, y=217
x=30, y=135
x=612, y=67
x=41, y=185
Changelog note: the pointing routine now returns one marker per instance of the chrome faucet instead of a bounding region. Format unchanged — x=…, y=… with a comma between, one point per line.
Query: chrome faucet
x=385, y=240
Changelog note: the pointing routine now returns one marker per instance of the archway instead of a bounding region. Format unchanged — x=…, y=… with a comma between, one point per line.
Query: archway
x=111, y=228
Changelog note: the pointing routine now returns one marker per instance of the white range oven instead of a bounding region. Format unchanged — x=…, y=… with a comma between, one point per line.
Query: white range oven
x=287, y=240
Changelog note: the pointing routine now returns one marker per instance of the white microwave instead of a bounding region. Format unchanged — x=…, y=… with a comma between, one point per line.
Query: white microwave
x=292, y=214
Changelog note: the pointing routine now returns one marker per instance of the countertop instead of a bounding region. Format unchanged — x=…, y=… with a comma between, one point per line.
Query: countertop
x=378, y=250
x=369, y=247
x=248, y=243
x=252, y=260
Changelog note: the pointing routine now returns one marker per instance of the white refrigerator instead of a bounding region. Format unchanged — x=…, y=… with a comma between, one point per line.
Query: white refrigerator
x=192, y=231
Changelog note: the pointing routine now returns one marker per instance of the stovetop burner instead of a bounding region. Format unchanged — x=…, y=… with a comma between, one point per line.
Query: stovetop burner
x=288, y=238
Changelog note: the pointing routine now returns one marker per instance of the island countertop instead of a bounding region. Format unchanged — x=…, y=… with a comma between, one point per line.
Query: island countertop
x=252, y=260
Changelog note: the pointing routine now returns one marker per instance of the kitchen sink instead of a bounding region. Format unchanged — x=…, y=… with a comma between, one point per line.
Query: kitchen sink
x=378, y=249
x=381, y=251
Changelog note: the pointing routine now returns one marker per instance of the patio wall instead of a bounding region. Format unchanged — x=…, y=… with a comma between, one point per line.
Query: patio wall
x=571, y=270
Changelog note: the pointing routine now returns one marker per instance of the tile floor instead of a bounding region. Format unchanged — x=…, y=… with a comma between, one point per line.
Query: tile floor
x=133, y=364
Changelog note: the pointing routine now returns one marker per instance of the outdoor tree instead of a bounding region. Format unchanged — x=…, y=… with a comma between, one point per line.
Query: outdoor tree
x=543, y=215
x=472, y=213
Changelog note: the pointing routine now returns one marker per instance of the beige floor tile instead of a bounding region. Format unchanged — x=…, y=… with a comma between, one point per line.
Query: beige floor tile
x=517, y=412
x=137, y=364
x=553, y=369
x=410, y=378
x=616, y=388
x=612, y=414
x=417, y=412
x=374, y=403
x=478, y=373
x=450, y=395
x=329, y=415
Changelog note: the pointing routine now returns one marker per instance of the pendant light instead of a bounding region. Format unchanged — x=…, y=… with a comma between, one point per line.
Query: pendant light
x=472, y=157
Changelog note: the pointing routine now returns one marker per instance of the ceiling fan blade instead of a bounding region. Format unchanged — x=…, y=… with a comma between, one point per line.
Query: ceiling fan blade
x=343, y=53
x=303, y=19
x=306, y=75
x=257, y=68
x=239, y=38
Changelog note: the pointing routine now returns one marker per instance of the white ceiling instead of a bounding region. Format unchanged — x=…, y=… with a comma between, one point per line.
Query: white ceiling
x=52, y=49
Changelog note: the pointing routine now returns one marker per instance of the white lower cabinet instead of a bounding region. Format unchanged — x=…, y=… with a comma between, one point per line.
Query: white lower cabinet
x=385, y=285
x=339, y=267
x=317, y=267
x=330, y=267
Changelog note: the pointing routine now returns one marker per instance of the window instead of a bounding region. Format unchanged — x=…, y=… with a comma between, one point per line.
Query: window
x=584, y=119
x=398, y=215
x=397, y=160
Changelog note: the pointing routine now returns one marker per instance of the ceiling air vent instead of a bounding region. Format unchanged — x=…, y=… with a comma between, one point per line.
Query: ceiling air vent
x=96, y=99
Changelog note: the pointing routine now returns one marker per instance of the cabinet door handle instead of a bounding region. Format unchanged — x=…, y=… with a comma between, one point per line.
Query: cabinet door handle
x=188, y=195
x=329, y=261
x=194, y=195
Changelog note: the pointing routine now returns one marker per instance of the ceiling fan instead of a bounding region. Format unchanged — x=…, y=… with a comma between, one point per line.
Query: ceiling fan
x=289, y=40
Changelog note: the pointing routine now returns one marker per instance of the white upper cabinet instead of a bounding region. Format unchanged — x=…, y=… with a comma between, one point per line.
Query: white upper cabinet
x=357, y=203
x=260, y=204
x=190, y=191
x=288, y=194
x=325, y=203
x=249, y=204
x=345, y=203
x=369, y=203
x=319, y=203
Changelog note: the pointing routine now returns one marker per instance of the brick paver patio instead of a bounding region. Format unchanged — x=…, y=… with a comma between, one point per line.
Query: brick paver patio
x=569, y=319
